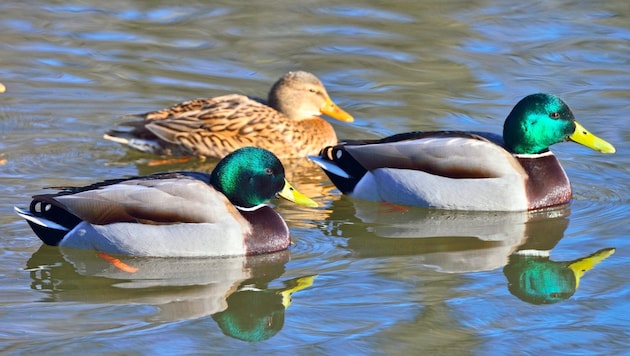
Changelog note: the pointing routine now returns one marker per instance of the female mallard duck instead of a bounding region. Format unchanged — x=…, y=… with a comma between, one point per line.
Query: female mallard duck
x=173, y=214
x=289, y=126
x=466, y=170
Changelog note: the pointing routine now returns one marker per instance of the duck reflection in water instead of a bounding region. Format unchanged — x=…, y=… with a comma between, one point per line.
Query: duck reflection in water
x=255, y=314
x=464, y=242
x=535, y=279
x=234, y=291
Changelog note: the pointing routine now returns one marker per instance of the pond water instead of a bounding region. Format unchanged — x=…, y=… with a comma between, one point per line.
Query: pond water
x=364, y=278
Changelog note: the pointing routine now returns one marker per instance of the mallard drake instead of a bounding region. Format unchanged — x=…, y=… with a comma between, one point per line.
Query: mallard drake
x=173, y=214
x=466, y=170
x=288, y=124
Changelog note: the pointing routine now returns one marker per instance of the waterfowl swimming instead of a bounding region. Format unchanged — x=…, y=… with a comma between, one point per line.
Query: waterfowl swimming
x=289, y=124
x=466, y=170
x=173, y=214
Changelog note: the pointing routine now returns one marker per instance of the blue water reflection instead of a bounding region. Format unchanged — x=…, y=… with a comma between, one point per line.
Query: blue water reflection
x=234, y=291
x=72, y=68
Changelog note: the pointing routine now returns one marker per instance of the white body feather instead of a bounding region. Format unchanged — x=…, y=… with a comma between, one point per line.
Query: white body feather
x=173, y=240
x=462, y=173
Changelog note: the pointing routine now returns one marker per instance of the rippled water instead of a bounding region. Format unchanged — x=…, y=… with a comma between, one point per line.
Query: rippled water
x=364, y=278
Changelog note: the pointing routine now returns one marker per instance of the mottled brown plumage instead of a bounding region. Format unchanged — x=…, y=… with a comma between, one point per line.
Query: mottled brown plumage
x=290, y=125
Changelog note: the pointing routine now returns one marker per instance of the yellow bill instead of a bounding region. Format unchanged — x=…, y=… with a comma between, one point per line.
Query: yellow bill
x=291, y=194
x=584, y=137
x=295, y=285
x=579, y=267
x=331, y=109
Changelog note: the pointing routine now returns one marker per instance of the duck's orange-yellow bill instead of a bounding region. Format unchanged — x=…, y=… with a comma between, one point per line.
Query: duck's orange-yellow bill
x=579, y=267
x=294, y=285
x=291, y=194
x=117, y=263
x=584, y=137
x=331, y=109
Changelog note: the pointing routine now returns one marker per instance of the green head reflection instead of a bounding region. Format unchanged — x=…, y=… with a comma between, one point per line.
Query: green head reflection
x=257, y=314
x=534, y=278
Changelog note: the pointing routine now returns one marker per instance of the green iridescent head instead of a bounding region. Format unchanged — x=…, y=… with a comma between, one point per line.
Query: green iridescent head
x=538, y=280
x=251, y=176
x=541, y=120
x=252, y=315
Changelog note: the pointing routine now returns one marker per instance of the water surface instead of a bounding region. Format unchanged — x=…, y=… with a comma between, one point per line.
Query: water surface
x=388, y=280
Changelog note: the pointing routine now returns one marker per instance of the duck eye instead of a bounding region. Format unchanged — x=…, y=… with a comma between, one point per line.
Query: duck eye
x=554, y=115
x=312, y=90
x=268, y=171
